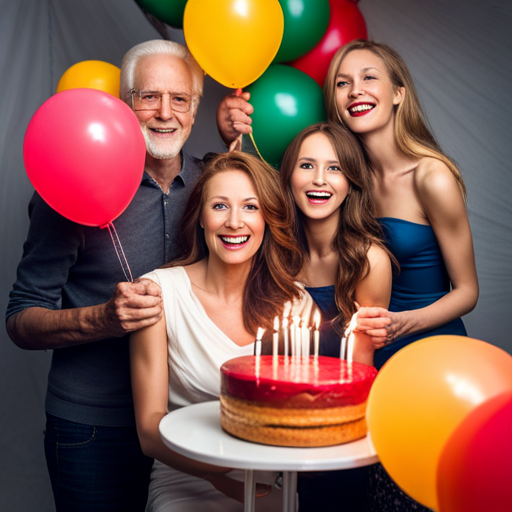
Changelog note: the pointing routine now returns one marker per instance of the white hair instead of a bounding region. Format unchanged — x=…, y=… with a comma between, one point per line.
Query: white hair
x=159, y=47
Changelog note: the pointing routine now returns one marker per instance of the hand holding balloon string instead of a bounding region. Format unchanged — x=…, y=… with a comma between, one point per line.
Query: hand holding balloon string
x=133, y=306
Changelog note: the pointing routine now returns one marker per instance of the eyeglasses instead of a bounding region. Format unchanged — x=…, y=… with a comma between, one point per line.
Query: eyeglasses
x=152, y=100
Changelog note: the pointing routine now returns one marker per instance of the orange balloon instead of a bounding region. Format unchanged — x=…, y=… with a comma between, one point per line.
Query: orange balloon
x=91, y=74
x=421, y=395
x=234, y=41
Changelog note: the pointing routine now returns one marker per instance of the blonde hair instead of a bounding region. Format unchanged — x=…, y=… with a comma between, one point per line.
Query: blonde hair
x=412, y=135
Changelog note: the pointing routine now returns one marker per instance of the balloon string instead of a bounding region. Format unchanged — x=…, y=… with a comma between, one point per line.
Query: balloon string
x=256, y=147
x=119, y=251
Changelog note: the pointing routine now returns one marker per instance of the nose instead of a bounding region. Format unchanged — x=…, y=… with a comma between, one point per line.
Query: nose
x=319, y=177
x=234, y=220
x=356, y=89
x=165, y=111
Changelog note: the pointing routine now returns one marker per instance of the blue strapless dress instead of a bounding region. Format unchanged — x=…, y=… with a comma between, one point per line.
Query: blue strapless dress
x=423, y=278
x=324, y=297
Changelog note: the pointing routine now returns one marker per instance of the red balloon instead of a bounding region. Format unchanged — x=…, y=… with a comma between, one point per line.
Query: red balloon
x=345, y=24
x=84, y=153
x=475, y=466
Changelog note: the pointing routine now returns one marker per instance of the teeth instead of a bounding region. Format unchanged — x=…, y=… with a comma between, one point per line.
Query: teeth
x=234, y=239
x=320, y=195
x=361, y=108
x=163, y=131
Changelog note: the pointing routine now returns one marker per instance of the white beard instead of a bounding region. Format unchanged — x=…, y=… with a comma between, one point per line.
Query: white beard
x=161, y=150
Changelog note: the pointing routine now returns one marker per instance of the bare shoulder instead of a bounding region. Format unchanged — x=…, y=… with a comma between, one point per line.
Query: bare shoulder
x=433, y=178
x=378, y=257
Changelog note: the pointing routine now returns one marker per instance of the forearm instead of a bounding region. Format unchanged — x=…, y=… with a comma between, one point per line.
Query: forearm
x=153, y=446
x=453, y=305
x=39, y=328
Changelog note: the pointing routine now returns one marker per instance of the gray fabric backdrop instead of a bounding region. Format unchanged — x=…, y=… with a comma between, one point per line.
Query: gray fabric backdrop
x=458, y=52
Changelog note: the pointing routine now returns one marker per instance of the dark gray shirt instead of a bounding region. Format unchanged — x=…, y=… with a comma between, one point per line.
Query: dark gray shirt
x=67, y=265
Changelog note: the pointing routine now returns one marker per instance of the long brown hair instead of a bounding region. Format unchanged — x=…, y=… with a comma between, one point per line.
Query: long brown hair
x=278, y=260
x=357, y=227
x=412, y=134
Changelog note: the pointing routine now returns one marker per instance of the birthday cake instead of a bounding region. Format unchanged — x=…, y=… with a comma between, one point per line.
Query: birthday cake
x=293, y=401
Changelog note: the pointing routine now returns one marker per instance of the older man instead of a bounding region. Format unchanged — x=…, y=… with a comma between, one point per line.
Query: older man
x=69, y=296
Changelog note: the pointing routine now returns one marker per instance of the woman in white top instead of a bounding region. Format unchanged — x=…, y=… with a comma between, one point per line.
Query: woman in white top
x=236, y=274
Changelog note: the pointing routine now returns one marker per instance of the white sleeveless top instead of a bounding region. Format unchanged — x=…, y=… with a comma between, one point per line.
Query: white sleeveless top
x=196, y=347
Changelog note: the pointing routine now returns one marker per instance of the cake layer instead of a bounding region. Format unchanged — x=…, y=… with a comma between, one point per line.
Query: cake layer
x=253, y=414
x=297, y=383
x=292, y=436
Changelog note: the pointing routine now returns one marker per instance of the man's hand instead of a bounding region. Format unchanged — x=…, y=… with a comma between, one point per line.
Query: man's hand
x=233, y=116
x=133, y=306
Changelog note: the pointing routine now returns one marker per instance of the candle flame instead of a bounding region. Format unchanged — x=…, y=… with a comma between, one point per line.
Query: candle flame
x=259, y=334
x=287, y=308
x=276, y=324
x=296, y=320
x=285, y=323
x=316, y=319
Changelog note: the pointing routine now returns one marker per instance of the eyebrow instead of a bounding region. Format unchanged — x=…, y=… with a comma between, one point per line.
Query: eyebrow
x=364, y=70
x=224, y=198
x=309, y=159
x=178, y=93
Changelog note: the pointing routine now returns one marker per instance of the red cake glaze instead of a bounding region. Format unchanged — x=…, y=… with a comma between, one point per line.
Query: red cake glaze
x=325, y=382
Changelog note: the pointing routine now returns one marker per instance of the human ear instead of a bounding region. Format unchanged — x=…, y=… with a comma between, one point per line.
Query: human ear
x=399, y=95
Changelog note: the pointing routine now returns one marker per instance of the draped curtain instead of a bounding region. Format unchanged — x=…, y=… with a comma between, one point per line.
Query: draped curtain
x=458, y=52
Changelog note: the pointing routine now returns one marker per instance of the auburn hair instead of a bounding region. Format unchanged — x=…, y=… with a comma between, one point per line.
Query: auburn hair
x=357, y=229
x=271, y=280
x=412, y=134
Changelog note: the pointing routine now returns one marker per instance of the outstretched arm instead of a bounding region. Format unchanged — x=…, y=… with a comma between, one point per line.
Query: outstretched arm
x=133, y=306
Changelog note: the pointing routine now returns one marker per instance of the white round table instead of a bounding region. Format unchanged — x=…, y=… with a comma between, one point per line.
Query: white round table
x=195, y=432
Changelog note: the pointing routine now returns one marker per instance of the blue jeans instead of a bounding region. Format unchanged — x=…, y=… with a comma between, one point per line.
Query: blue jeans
x=95, y=468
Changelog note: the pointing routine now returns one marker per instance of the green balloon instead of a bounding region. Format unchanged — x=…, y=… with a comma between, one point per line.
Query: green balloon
x=285, y=101
x=168, y=11
x=305, y=23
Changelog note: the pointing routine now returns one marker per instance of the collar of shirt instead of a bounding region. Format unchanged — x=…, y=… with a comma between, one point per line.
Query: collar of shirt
x=186, y=168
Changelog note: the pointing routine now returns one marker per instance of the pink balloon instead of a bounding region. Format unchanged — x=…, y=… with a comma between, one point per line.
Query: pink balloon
x=475, y=467
x=345, y=24
x=84, y=153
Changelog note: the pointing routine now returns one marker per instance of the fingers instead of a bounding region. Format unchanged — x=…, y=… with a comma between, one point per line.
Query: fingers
x=133, y=306
x=377, y=333
x=372, y=312
x=373, y=324
x=149, y=288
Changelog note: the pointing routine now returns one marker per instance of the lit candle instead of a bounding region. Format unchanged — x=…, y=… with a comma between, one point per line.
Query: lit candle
x=305, y=335
x=349, y=333
x=350, y=348
x=292, y=339
x=316, y=333
x=275, y=338
x=285, y=333
x=257, y=343
x=343, y=347
x=297, y=335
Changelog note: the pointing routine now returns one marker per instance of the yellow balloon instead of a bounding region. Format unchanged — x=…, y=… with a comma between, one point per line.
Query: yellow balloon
x=234, y=41
x=421, y=395
x=91, y=74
